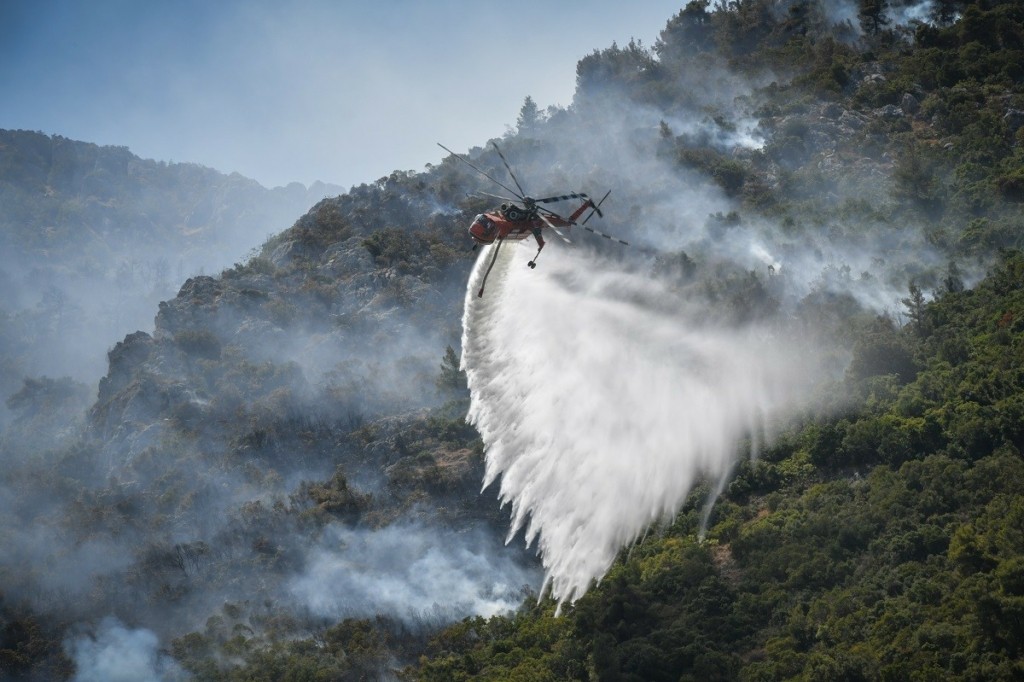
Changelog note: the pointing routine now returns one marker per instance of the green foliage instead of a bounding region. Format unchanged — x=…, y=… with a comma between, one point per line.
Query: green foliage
x=872, y=15
x=529, y=117
x=325, y=224
x=615, y=69
x=884, y=544
x=452, y=377
x=348, y=651
x=729, y=174
x=390, y=246
x=30, y=647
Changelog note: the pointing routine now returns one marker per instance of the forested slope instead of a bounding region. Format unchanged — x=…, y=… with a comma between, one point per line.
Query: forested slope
x=884, y=543
x=881, y=536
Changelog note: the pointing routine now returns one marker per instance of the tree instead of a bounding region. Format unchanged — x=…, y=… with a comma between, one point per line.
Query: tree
x=686, y=33
x=953, y=282
x=452, y=377
x=872, y=15
x=917, y=309
x=529, y=116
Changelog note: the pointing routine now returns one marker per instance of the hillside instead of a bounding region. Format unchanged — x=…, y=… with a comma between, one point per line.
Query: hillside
x=879, y=535
x=302, y=403
x=277, y=480
x=93, y=237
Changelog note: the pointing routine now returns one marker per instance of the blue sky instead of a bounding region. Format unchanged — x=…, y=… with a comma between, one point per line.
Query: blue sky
x=343, y=91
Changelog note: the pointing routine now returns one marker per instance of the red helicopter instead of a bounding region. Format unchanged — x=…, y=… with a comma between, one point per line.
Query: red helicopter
x=519, y=221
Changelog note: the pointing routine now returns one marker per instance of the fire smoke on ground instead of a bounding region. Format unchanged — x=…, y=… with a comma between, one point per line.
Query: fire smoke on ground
x=603, y=400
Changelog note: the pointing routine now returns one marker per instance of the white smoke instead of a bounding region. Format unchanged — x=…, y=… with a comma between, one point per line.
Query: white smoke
x=116, y=653
x=905, y=15
x=603, y=400
x=410, y=571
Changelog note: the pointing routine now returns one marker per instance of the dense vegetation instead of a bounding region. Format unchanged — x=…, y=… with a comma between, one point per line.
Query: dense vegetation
x=881, y=540
x=881, y=544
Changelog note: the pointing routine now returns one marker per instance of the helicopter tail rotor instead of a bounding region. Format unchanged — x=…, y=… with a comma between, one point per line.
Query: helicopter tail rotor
x=597, y=208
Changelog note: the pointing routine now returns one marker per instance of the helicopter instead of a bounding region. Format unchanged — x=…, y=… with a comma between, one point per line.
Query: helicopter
x=523, y=217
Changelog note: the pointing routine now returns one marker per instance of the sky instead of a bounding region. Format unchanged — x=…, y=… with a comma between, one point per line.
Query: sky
x=341, y=91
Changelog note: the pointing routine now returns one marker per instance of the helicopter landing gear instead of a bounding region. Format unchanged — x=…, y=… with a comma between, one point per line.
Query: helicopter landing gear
x=540, y=243
x=533, y=263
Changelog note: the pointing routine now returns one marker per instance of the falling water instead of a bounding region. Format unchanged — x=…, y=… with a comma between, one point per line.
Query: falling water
x=603, y=399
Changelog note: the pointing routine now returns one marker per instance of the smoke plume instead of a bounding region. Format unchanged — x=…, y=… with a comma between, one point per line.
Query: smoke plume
x=410, y=571
x=118, y=654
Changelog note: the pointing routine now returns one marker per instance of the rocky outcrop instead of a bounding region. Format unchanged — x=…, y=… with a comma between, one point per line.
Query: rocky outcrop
x=124, y=358
x=1014, y=119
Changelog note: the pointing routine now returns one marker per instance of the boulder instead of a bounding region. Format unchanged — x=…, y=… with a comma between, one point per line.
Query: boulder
x=289, y=252
x=1014, y=119
x=346, y=259
x=889, y=112
x=832, y=110
x=123, y=360
x=909, y=104
x=851, y=121
x=200, y=289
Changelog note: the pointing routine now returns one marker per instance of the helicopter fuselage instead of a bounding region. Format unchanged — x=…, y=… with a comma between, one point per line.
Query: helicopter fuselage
x=515, y=222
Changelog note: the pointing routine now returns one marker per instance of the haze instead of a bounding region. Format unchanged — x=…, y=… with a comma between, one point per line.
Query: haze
x=343, y=92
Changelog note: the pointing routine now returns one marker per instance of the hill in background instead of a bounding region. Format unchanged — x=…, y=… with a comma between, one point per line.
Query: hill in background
x=93, y=237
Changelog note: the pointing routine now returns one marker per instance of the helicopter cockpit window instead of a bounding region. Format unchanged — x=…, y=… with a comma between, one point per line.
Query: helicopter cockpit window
x=484, y=222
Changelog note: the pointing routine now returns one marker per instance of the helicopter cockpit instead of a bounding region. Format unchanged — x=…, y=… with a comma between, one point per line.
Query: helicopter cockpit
x=483, y=230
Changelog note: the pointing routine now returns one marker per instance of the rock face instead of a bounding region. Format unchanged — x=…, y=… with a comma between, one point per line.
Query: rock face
x=890, y=112
x=310, y=322
x=1014, y=119
x=289, y=252
x=347, y=259
x=909, y=104
x=124, y=357
x=290, y=394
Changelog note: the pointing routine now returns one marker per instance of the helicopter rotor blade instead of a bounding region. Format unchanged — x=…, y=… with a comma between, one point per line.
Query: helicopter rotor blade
x=606, y=236
x=496, y=196
x=555, y=229
x=481, y=171
x=563, y=197
x=588, y=229
x=522, y=192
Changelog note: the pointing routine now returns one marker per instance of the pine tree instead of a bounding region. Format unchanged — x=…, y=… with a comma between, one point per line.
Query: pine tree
x=529, y=116
x=872, y=15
